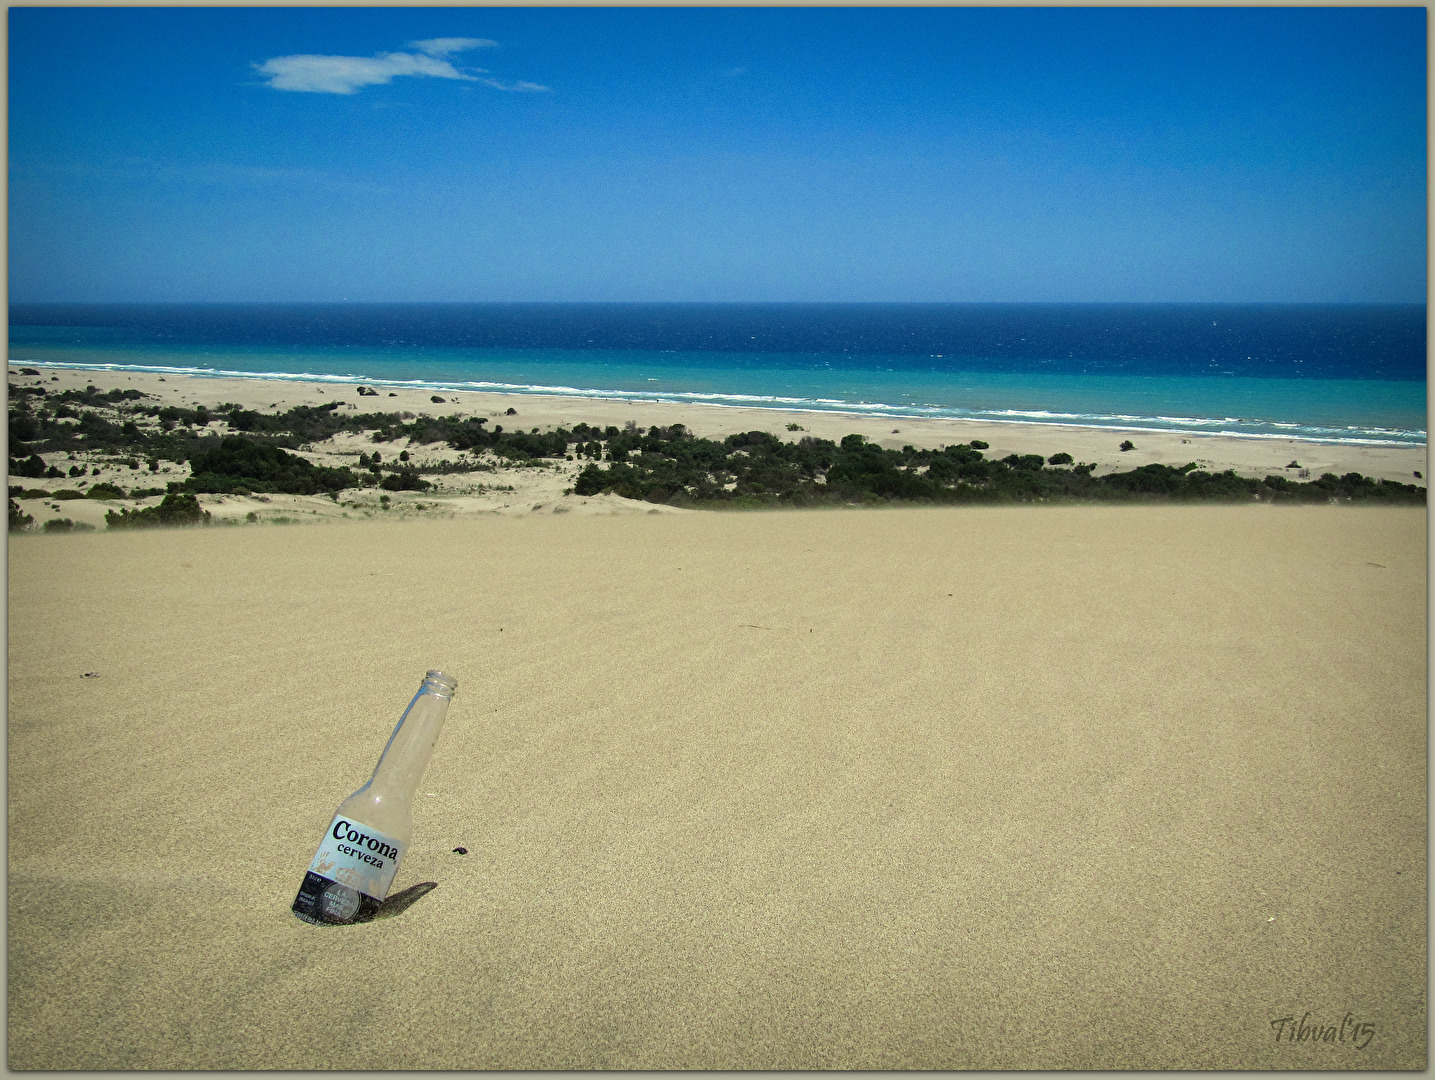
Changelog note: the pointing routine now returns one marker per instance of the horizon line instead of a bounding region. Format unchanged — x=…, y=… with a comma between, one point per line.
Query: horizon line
x=753, y=303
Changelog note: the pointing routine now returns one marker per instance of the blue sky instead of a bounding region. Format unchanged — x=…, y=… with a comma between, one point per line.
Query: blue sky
x=1219, y=154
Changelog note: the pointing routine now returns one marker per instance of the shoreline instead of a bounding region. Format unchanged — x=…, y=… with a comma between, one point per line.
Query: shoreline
x=502, y=488
x=1254, y=456
x=1041, y=418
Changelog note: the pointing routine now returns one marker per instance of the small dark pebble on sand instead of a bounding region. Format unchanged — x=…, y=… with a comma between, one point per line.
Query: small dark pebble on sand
x=460, y=851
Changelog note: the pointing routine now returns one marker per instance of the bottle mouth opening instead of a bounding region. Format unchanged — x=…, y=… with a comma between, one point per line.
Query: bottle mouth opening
x=441, y=683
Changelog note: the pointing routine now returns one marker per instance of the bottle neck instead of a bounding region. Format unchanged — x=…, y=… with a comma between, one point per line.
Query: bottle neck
x=411, y=745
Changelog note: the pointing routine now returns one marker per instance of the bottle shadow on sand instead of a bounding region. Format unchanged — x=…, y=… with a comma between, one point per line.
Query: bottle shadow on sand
x=399, y=902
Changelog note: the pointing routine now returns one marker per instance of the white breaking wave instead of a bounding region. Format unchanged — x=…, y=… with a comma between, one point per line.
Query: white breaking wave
x=1243, y=429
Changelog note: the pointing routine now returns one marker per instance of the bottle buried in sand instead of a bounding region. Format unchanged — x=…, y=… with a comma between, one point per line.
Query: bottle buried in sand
x=355, y=865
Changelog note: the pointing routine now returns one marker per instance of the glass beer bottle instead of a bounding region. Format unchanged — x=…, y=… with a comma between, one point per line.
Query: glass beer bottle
x=359, y=855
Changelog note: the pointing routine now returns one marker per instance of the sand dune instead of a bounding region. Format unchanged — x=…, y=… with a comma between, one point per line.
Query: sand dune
x=980, y=788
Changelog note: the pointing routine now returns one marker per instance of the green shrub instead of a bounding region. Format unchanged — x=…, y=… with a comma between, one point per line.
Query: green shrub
x=176, y=509
x=406, y=480
x=1060, y=459
x=590, y=481
x=19, y=520
x=238, y=462
x=106, y=490
x=32, y=466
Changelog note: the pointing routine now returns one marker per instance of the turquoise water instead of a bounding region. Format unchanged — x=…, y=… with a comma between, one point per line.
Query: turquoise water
x=1136, y=368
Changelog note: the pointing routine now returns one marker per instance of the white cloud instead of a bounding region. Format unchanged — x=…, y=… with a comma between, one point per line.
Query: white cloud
x=447, y=46
x=345, y=74
x=519, y=87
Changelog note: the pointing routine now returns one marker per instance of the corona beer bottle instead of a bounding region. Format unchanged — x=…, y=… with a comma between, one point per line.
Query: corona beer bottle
x=360, y=853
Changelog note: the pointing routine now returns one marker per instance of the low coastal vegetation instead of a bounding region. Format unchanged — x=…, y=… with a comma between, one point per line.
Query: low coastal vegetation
x=757, y=468
x=174, y=509
x=252, y=452
x=241, y=464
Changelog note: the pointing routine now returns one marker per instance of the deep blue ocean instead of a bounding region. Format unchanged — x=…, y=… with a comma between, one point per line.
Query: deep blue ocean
x=1344, y=373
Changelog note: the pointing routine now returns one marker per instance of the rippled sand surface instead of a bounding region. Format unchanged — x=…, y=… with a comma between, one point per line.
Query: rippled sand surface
x=1033, y=788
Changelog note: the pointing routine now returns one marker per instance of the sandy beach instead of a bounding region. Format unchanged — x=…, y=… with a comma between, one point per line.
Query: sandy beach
x=520, y=491
x=1037, y=788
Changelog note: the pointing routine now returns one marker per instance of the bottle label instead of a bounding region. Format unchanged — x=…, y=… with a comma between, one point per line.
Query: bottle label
x=324, y=902
x=359, y=857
